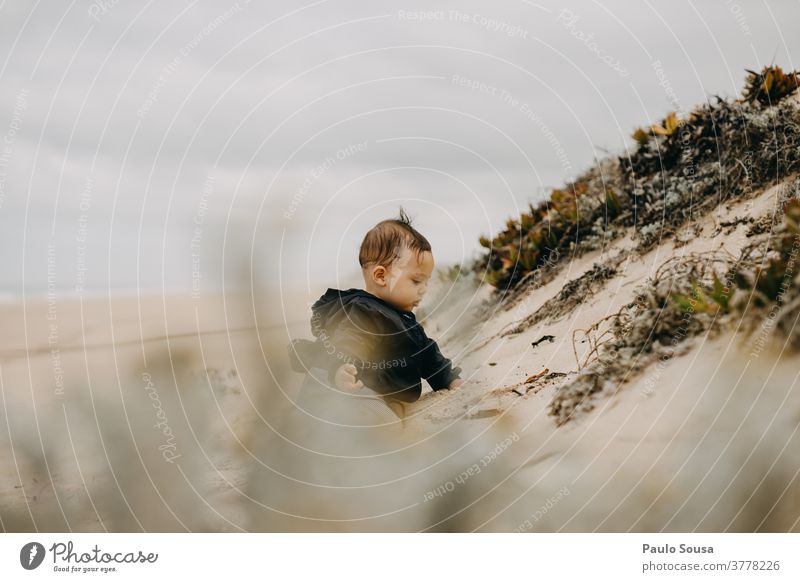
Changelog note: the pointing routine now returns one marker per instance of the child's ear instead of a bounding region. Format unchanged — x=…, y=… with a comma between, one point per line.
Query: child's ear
x=379, y=275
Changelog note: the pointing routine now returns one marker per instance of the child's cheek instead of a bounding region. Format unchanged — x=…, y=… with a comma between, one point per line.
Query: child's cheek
x=393, y=282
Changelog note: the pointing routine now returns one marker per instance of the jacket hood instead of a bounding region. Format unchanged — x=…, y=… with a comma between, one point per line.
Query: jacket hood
x=334, y=300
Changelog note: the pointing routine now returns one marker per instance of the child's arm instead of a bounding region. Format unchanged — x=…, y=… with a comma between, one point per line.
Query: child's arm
x=438, y=370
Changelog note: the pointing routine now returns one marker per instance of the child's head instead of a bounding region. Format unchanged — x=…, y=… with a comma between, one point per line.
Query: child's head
x=396, y=262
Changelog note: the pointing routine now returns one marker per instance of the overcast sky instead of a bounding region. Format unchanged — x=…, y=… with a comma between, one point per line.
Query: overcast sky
x=147, y=146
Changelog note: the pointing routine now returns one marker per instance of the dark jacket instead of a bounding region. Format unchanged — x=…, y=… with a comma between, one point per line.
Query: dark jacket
x=388, y=347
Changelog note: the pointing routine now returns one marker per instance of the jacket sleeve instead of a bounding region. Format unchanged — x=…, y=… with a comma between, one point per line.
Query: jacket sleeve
x=355, y=337
x=435, y=368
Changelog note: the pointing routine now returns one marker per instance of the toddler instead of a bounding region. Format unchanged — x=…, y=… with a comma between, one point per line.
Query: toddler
x=370, y=340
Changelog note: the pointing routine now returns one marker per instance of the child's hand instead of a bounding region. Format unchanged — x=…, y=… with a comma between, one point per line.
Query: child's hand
x=455, y=384
x=345, y=378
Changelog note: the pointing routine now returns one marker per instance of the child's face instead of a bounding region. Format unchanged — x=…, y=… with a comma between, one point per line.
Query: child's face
x=407, y=279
